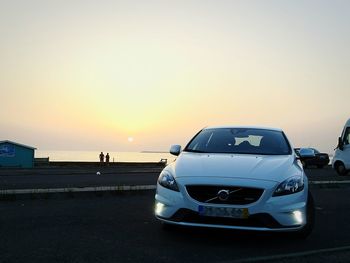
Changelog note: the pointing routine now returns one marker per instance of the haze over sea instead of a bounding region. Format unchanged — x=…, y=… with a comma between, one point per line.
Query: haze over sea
x=93, y=156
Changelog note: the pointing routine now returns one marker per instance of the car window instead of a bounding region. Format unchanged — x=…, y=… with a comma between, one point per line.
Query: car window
x=315, y=151
x=347, y=136
x=240, y=140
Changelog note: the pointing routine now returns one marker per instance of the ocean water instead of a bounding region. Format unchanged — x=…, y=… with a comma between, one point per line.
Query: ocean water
x=93, y=156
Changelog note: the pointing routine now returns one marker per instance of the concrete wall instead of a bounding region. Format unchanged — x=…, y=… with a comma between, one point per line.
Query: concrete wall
x=12, y=155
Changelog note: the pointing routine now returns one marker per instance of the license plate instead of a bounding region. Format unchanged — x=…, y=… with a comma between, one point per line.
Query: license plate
x=223, y=212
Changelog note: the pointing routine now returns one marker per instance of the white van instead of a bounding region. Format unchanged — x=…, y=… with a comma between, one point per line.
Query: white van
x=341, y=160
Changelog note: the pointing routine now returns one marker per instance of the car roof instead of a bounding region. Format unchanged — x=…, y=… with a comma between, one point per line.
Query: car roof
x=246, y=127
x=347, y=124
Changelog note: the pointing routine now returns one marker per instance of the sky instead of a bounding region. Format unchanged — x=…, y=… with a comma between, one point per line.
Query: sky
x=143, y=75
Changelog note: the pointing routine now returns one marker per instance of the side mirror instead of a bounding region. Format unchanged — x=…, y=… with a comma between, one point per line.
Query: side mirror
x=175, y=149
x=306, y=153
x=340, y=144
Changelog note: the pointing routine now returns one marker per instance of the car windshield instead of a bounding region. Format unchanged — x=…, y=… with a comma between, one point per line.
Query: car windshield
x=315, y=151
x=240, y=140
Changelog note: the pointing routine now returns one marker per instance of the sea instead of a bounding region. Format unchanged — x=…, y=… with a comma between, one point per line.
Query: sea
x=93, y=156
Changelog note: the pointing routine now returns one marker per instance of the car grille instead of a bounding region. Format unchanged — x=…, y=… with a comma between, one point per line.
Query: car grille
x=237, y=195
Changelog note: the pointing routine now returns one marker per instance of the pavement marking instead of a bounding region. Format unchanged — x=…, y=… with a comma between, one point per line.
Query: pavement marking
x=292, y=255
x=116, y=188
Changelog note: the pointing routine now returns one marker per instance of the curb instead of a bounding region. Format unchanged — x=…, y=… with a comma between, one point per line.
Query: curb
x=329, y=182
x=121, y=188
x=78, y=189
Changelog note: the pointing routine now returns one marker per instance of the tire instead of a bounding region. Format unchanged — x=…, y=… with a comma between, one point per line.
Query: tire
x=340, y=168
x=310, y=219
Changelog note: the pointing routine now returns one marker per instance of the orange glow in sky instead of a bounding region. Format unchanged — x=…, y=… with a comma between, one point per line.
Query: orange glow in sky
x=86, y=75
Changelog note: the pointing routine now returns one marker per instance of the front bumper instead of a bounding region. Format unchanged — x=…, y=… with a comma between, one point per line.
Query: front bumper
x=281, y=213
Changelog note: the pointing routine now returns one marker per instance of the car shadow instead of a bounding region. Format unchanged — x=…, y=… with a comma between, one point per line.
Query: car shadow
x=228, y=236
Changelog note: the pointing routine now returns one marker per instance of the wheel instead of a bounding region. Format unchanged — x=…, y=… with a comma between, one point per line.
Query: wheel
x=310, y=219
x=340, y=169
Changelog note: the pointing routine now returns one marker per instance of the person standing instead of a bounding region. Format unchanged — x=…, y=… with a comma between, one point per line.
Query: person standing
x=102, y=158
x=107, y=158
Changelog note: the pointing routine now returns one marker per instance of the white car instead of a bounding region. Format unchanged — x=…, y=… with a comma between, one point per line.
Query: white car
x=341, y=159
x=245, y=178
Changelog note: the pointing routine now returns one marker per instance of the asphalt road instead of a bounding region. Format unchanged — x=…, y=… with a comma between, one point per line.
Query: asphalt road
x=87, y=177
x=77, y=177
x=121, y=228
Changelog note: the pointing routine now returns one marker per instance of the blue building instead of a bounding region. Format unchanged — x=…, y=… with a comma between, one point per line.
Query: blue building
x=16, y=155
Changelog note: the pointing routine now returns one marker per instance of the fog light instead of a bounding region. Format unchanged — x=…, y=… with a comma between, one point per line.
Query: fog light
x=159, y=208
x=298, y=216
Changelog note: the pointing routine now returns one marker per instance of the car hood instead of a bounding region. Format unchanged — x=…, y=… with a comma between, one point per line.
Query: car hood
x=275, y=168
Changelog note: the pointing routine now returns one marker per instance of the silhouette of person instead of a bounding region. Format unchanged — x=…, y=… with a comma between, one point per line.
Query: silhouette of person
x=102, y=157
x=107, y=158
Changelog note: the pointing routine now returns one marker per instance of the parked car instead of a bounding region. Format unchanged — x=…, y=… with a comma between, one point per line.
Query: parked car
x=341, y=159
x=245, y=178
x=312, y=157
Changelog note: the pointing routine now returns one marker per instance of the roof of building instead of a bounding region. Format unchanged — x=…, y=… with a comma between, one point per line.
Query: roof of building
x=18, y=144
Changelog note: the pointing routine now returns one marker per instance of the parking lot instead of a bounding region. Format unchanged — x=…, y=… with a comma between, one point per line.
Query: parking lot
x=120, y=227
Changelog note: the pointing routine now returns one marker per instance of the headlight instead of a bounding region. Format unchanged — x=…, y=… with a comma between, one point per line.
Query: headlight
x=167, y=180
x=290, y=186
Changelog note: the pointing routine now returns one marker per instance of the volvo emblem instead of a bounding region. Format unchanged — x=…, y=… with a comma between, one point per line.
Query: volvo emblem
x=223, y=195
